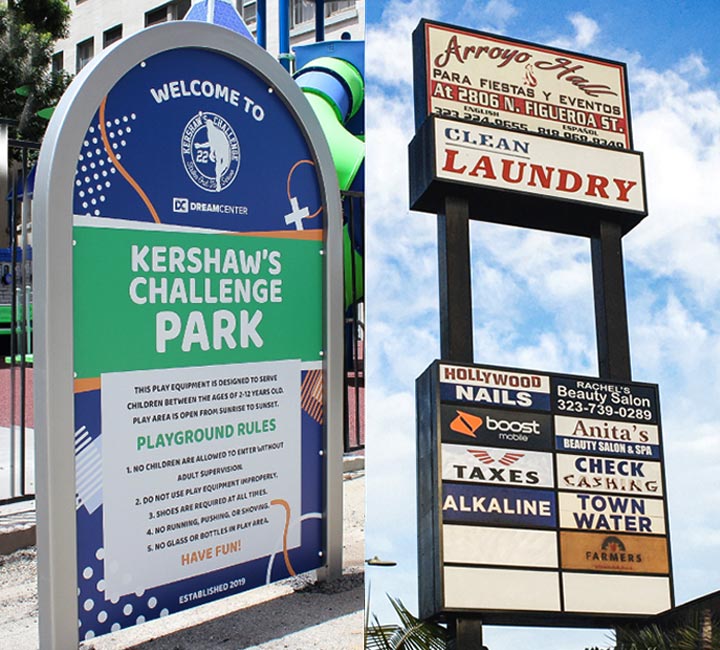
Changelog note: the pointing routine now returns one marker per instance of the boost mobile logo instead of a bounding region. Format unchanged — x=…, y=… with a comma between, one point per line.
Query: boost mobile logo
x=210, y=151
x=467, y=424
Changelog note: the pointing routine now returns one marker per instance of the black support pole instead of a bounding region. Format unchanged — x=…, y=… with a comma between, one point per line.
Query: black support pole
x=456, y=342
x=611, y=321
x=465, y=634
x=456, y=331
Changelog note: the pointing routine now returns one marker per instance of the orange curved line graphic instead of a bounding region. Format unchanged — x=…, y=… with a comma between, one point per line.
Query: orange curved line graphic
x=286, y=505
x=119, y=166
x=292, y=169
x=309, y=235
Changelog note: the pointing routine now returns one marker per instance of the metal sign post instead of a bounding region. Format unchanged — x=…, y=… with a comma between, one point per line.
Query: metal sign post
x=465, y=634
x=456, y=337
x=611, y=324
x=453, y=227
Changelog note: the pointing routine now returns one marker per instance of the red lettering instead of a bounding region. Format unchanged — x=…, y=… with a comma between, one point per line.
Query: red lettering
x=624, y=188
x=484, y=165
x=563, y=182
x=506, y=168
x=597, y=185
x=449, y=165
x=541, y=174
x=564, y=65
x=452, y=50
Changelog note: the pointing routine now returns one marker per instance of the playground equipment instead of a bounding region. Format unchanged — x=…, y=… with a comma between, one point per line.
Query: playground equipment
x=331, y=75
x=219, y=12
x=335, y=89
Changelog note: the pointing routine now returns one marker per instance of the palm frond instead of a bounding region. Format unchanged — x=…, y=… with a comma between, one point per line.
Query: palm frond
x=411, y=634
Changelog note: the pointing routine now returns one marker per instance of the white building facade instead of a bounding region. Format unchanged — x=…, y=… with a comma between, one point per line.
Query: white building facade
x=96, y=24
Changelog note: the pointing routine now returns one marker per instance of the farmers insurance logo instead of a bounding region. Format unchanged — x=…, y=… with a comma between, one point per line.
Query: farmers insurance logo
x=210, y=151
x=612, y=554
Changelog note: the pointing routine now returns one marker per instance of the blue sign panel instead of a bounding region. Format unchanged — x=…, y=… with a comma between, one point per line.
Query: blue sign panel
x=597, y=398
x=492, y=396
x=186, y=139
x=609, y=447
x=198, y=227
x=479, y=504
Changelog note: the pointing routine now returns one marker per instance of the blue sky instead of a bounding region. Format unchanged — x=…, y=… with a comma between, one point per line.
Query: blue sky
x=533, y=291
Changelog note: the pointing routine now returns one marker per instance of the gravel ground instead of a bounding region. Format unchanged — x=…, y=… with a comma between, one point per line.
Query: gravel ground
x=18, y=600
x=295, y=614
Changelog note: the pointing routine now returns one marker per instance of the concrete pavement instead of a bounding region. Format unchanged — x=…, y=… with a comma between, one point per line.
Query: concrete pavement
x=296, y=614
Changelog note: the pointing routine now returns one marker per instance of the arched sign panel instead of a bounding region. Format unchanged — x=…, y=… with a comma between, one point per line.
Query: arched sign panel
x=201, y=207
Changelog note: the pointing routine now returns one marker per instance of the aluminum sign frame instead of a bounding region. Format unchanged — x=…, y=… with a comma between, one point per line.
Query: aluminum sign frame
x=57, y=541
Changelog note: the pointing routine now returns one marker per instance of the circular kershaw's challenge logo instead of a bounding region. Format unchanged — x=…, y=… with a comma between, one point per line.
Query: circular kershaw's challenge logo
x=210, y=151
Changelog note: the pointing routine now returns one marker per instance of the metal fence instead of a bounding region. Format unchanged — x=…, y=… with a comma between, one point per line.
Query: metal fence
x=354, y=426
x=16, y=430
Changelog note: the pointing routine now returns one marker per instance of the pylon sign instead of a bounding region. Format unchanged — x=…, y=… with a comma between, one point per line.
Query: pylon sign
x=541, y=496
x=499, y=81
x=195, y=214
x=502, y=122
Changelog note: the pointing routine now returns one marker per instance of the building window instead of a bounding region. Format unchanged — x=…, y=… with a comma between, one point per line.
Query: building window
x=338, y=6
x=85, y=52
x=111, y=35
x=159, y=15
x=58, y=62
x=170, y=11
x=303, y=11
x=248, y=10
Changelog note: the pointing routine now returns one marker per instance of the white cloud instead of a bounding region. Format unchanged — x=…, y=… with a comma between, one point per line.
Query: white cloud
x=586, y=31
x=500, y=11
x=494, y=15
x=677, y=126
x=693, y=66
x=389, y=44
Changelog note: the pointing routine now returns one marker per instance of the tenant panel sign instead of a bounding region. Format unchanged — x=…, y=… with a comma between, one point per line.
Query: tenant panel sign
x=497, y=81
x=544, y=485
x=524, y=179
x=488, y=157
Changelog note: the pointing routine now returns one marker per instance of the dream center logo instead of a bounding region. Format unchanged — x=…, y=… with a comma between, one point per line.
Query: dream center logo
x=210, y=151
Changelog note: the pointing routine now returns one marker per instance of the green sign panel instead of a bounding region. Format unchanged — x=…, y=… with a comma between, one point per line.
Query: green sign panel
x=149, y=299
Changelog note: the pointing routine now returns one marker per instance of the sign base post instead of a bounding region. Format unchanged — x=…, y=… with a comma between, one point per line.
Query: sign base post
x=611, y=321
x=456, y=336
x=465, y=634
